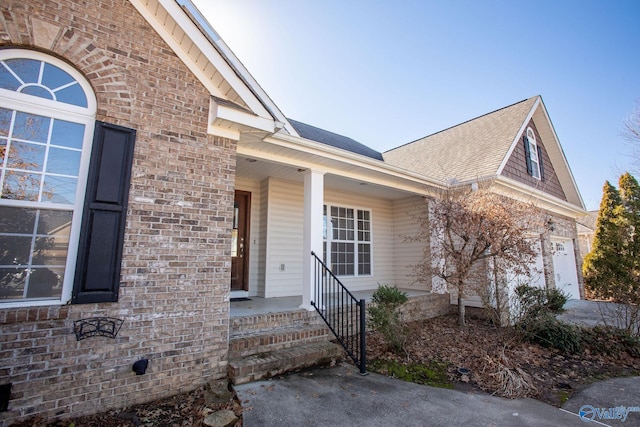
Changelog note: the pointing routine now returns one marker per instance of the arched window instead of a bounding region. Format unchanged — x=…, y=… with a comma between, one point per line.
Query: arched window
x=47, y=117
x=532, y=153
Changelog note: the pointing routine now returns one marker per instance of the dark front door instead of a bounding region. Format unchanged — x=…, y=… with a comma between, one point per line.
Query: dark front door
x=239, y=242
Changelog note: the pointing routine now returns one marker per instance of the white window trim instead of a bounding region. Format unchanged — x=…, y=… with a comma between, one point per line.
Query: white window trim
x=327, y=242
x=57, y=110
x=533, y=154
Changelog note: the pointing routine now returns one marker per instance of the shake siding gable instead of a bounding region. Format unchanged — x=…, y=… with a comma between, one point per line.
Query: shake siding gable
x=516, y=168
x=174, y=281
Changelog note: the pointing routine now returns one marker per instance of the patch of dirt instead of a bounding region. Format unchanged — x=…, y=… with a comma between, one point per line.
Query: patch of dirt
x=182, y=410
x=495, y=359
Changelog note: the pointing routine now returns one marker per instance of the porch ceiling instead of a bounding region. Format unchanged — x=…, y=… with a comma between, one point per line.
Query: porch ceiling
x=261, y=169
x=287, y=157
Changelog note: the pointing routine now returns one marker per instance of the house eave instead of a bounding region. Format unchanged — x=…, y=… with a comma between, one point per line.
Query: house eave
x=283, y=149
x=318, y=149
x=230, y=122
x=546, y=201
x=213, y=64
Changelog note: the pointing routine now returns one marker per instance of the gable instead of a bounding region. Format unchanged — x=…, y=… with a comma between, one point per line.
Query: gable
x=237, y=102
x=469, y=151
x=516, y=167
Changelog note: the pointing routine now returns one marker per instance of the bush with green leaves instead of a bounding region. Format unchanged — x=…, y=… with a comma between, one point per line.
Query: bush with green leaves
x=550, y=332
x=385, y=318
x=533, y=302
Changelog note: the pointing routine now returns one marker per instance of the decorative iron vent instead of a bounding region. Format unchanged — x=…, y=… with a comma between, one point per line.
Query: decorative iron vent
x=97, y=326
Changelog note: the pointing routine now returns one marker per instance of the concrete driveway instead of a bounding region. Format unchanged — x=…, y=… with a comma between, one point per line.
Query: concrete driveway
x=592, y=313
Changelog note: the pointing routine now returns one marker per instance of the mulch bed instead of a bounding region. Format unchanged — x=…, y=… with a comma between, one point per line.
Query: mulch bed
x=486, y=350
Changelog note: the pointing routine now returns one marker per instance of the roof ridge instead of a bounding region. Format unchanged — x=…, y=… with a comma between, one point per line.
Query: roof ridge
x=460, y=124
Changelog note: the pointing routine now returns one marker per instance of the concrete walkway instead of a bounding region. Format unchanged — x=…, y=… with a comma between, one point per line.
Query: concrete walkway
x=341, y=397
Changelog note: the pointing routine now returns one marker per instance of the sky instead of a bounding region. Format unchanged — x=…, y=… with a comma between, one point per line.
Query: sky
x=388, y=73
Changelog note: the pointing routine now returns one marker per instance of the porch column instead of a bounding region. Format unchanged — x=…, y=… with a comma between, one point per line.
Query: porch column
x=313, y=202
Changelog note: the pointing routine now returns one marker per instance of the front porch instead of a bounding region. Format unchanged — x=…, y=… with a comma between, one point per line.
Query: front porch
x=258, y=305
x=270, y=336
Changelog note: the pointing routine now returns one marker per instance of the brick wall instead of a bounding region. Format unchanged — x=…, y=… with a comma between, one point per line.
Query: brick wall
x=175, y=276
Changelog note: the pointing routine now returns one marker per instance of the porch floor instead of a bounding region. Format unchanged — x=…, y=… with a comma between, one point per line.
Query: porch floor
x=259, y=305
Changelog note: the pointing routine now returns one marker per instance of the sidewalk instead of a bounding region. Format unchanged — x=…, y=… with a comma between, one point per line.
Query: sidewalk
x=341, y=397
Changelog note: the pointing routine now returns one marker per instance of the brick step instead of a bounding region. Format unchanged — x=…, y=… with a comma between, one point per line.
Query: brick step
x=266, y=365
x=276, y=339
x=248, y=325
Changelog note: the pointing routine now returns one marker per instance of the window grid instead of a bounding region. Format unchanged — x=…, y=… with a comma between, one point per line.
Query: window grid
x=349, y=240
x=533, y=154
x=45, y=116
x=41, y=79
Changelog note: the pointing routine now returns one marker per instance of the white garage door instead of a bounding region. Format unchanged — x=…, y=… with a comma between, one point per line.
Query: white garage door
x=535, y=277
x=564, y=266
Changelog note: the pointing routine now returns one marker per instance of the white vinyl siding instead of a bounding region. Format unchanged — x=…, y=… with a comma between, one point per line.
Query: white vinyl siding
x=282, y=217
x=406, y=255
x=285, y=226
x=382, y=236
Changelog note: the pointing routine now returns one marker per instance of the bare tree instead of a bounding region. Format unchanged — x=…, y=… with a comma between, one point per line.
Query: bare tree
x=473, y=230
x=631, y=132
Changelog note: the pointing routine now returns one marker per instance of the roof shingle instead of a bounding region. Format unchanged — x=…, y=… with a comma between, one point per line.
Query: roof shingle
x=333, y=139
x=470, y=150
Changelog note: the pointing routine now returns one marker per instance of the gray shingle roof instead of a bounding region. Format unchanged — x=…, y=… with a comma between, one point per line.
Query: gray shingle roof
x=333, y=139
x=470, y=150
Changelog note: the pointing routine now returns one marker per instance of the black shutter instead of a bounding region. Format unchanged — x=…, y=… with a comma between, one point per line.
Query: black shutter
x=97, y=277
x=540, y=163
x=527, y=155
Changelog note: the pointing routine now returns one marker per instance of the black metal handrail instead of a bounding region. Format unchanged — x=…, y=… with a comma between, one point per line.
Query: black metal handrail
x=343, y=313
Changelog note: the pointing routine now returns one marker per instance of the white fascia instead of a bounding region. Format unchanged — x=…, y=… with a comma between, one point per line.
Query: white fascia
x=204, y=45
x=519, y=135
x=411, y=179
x=528, y=194
x=229, y=122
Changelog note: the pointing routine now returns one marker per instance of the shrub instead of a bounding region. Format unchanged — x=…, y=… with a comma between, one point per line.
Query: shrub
x=384, y=316
x=534, y=302
x=548, y=331
x=610, y=341
x=556, y=299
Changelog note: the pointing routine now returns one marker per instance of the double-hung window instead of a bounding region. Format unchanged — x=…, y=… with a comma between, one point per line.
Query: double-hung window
x=347, y=240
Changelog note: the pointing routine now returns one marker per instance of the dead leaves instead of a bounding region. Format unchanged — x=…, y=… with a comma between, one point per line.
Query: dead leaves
x=514, y=365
